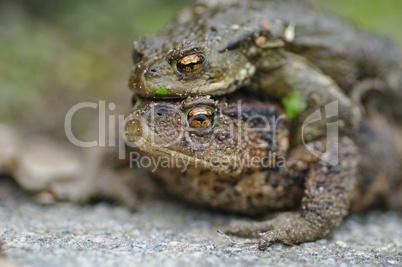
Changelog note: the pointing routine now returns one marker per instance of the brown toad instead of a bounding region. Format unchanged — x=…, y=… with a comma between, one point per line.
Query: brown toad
x=275, y=47
x=237, y=153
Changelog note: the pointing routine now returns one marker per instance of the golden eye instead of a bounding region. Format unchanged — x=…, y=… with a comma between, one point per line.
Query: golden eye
x=190, y=63
x=201, y=117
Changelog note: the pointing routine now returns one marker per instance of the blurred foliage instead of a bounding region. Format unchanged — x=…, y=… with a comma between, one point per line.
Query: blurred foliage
x=56, y=53
x=382, y=16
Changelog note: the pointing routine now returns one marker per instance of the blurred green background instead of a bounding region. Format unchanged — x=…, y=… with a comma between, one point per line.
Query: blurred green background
x=57, y=53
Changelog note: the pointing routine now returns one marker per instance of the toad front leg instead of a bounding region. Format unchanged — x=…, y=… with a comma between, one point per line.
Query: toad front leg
x=297, y=75
x=325, y=203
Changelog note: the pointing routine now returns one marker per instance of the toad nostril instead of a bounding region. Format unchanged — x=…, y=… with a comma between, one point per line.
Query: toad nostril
x=154, y=70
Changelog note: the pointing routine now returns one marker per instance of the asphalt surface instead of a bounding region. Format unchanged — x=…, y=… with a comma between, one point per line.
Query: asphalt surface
x=166, y=232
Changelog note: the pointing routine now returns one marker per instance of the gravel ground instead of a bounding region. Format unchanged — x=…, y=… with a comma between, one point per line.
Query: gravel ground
x=168, y=233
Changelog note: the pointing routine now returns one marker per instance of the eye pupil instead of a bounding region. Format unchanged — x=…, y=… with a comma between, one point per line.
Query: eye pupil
x=200, y=117
x=190, y=63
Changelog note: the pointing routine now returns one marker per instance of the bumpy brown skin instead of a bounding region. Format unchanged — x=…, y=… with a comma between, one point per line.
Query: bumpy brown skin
x=288, y=179
x=251, y=43
x=220, y=174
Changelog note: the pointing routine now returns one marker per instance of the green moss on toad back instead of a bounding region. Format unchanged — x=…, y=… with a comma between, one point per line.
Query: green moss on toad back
x=162, y=91
x=293, y=104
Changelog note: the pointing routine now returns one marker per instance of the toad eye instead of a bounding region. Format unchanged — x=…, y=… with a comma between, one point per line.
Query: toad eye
x=201, y=117
x=190, y=64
